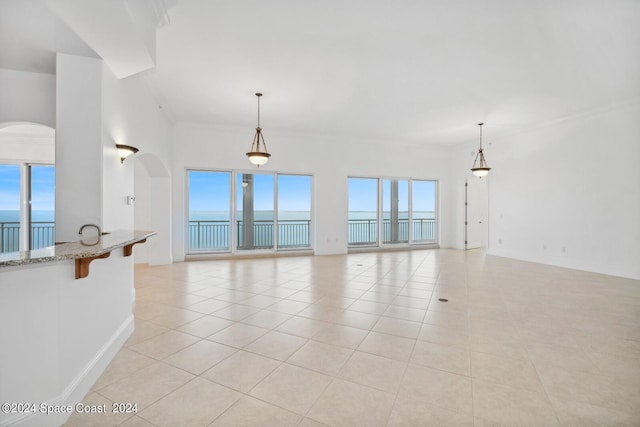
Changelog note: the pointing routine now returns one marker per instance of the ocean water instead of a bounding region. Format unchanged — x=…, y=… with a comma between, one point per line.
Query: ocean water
x=259, y=215
x=10, y=226
x=37, y=216
x=48, y=216
x=298, y=215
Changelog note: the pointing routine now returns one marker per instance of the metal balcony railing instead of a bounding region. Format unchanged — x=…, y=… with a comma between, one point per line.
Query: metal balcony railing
x=42, y=235
x=365, y=231
x=208, y=235
x=214, y=235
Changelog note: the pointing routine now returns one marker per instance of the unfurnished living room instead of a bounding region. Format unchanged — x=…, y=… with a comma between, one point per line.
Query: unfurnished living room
x=296, y=213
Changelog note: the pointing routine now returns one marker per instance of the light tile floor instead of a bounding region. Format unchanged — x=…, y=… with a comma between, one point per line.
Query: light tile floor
x=363, y=340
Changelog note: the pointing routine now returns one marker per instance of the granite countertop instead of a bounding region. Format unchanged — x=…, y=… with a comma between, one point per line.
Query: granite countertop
x=85, y=248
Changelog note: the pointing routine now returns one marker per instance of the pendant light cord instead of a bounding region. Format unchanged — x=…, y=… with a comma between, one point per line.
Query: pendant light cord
x=258, y=95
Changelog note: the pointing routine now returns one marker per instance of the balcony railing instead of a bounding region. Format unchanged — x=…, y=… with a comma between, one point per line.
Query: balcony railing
x=208, y=235
x=365, y=231
x=42, y=235
x=214, y=235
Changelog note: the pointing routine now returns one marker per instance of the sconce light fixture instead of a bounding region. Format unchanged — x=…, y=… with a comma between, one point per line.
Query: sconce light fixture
x=257, y=155
x=125, y=151
x=481, y=168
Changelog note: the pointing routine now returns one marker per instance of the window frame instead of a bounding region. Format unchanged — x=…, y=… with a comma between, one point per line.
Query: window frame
x=380, y=215
x=234, y=244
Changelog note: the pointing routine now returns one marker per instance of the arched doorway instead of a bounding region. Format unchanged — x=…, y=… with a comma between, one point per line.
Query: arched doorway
x=152, y=187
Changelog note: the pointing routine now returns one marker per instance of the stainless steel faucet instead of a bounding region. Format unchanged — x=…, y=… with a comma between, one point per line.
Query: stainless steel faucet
x=97, y=227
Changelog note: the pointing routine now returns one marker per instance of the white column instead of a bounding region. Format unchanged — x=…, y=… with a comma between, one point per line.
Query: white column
x=78, y=144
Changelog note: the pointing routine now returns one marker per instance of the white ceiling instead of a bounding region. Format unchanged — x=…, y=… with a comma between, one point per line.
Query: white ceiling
x=413, y=71
x=30, y=36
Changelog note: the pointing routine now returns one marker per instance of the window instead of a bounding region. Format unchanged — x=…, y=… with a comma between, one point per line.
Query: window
x=9, y=208
x=294, y=211
x=363, y=211
x=255, y=217
x=423, y=213
x=34, y=227
x=267, y=211
x=406, y=213
x=209, y=210
x=395, y=211
x=42, y=203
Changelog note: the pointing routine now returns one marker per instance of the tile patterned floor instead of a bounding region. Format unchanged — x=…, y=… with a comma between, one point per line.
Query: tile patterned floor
x=363, y=340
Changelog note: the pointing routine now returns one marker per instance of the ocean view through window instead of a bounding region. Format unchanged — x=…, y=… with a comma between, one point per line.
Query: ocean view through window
x=384, y=211
x=34, y=228
x=267, y=211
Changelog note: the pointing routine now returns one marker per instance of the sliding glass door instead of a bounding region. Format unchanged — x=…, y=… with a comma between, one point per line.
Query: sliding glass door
x=294, y=211
x=209, y=210
x=267, y=211
x=255, y=213
x=27, y=207
x=42, y=179
x=423, y=214
x=9, y=208
x=387, y=211
x=363, y=211
x=395, y=211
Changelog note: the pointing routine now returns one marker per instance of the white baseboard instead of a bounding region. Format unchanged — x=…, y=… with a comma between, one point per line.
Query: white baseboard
x=75, y=391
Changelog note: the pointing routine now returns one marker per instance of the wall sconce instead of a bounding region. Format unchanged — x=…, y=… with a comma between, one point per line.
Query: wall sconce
x=125, y=151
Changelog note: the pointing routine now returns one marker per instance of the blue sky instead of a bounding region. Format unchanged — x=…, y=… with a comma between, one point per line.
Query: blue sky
x=42, y=187
x=9, y=187
x=363, y=195
x=209, y=191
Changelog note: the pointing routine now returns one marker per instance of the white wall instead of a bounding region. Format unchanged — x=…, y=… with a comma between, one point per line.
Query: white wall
x=329, y=160
x=91, y=113
x=142, y=211
x=568, y=193
x=79, y=162
x=27, y=97
x=131, y=116
x=27, y=143
x=153, y=209
x=60, y=333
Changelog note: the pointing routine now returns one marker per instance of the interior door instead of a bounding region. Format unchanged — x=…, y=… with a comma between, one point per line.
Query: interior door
x=476, y=207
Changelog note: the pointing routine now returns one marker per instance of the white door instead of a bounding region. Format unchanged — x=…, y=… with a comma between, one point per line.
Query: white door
x=476, y=207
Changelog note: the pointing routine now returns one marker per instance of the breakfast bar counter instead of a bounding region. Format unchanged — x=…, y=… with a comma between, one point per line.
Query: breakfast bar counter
x=60, y=324
x=83, y=251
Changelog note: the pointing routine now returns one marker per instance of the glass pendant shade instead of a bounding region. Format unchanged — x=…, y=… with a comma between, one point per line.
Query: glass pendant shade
x=258, y=154
x=480, y=167
x=481, y=171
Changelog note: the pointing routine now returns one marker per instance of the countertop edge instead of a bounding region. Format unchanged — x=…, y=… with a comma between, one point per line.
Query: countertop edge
x=80, y=249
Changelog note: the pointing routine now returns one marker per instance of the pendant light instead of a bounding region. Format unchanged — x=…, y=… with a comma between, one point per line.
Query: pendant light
x=482, y=169
x=258, y=156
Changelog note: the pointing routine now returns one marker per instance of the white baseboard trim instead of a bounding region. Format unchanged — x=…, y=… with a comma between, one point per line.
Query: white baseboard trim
x=75, y=391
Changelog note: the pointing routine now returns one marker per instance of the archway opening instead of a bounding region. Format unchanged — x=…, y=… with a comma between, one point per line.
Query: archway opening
x=152, y=187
